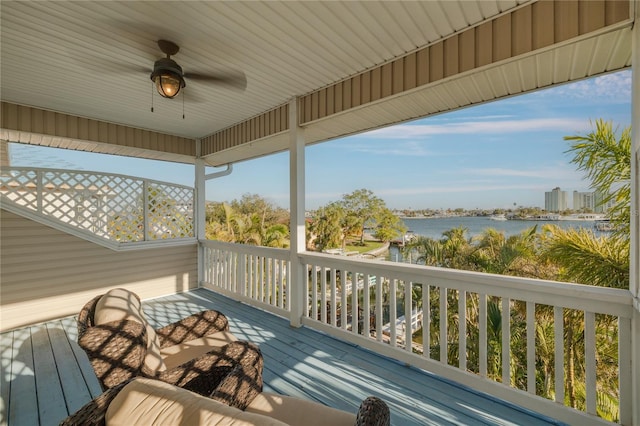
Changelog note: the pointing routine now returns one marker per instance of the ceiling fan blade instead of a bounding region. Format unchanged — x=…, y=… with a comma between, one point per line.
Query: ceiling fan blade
x=237, y=80
x=192, y=97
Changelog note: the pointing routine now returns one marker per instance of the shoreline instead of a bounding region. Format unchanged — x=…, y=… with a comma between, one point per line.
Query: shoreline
x=521, y=219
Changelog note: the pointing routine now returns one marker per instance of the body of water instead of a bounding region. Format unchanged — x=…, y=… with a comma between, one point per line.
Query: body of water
x=434, y=227
x=476, y=225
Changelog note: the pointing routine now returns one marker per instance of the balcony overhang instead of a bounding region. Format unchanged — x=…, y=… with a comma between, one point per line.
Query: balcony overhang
x=474, y=52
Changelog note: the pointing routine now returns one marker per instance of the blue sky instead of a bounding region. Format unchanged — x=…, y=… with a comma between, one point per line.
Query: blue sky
x=487, y=156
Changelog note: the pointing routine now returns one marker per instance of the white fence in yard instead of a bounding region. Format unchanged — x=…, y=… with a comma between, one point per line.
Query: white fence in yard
x=473, y=345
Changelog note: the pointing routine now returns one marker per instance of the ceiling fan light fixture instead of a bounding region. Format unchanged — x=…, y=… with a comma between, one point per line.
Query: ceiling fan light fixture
x=167, y=76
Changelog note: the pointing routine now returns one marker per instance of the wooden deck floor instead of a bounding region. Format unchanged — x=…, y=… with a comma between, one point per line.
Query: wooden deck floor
x=46, y=376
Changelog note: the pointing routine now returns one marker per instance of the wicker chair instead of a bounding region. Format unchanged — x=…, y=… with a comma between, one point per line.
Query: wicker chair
x=148, y=402
x=199, y=351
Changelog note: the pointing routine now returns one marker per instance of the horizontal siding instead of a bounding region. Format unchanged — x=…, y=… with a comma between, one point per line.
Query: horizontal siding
x=520, y=32
x=47, y=274
x=259, y=127
x=64, y=129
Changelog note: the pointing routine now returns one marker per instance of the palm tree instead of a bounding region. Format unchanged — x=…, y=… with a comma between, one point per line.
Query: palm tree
x=586, y=258
x=606, y=160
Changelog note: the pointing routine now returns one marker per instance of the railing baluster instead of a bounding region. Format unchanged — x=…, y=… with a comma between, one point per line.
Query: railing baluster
x=558, y=330
x=343, y=299
x=408, y=316
x=242, y=273
x=624, y=363
x=274, y=282
x=334, y=304
x=531, y=348
x=366, y=308
x=314, y=292
x=260, y=277
x=284, y=273
x=506, y=341
x=393, y=318
x=306, y=308
x=379, y=280
x=323, y=295
x=462, y=329
x=482, y=333
x=355, y=318
x=426, y=321
x=590, y=360
x=443, y=325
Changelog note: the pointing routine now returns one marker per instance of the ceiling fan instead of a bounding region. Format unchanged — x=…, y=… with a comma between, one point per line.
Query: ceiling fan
x=169, y=78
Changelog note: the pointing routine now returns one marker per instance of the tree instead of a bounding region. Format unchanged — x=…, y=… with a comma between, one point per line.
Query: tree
x=389, y=226
x=250, y=220
x=327, y=226
x=606, y=160
x=363, y=206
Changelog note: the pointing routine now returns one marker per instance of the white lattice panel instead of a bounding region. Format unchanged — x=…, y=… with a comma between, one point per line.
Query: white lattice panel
x=170, y=211
x=110, y=206
x=20, y=187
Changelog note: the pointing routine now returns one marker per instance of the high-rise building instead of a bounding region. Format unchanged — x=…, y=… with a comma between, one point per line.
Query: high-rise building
x=601, y=207
x=556, y=200
x=584, y=201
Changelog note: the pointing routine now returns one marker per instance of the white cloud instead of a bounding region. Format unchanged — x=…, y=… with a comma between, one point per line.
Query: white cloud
x=400, y=148
x=561, y=172
x=479, y=127
x=608, y=88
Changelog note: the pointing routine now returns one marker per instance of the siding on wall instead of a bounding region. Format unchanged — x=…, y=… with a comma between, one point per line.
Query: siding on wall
x=520, y=32
x=47, y=274
x=258, y=127
x=58, y=130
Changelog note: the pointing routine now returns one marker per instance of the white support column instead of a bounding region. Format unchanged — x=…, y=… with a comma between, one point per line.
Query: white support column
x=199, y=209
x=634, y=282
x=296, y=277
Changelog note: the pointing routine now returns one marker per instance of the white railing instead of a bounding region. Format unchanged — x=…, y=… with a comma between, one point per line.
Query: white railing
x=474, y=345
x=256, y=275
x=565, y=345
x=115, y=208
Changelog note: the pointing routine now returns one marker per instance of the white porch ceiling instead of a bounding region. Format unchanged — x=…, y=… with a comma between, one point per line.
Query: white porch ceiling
x=81, y=58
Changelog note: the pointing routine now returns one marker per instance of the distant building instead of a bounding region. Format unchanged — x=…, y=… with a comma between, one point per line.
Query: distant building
x=584, y=201
x=601, y=207
x=556, y=200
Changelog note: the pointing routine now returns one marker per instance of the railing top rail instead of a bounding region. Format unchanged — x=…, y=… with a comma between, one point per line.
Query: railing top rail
x=91, y=172
x=277, y=253
x=613, y=301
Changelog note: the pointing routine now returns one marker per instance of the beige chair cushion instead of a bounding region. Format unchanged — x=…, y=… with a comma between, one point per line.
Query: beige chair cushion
x=121, y=304
x=299, y=412
x=151, y=402
x=179, y=354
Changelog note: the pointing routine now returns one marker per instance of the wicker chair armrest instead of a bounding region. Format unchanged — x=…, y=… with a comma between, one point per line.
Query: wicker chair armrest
x=373, y=412
x=85, y=317
x=93, y=413
x=232, y=375
x=192, y=327
x=116, y=350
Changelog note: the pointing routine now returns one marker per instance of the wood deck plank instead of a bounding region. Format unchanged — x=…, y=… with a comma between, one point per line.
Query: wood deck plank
x=6, y=354
x=415, y=396
x=74, y=388
x=298, y=361
x=23, y=405
x=70, y=327
x=51, y=404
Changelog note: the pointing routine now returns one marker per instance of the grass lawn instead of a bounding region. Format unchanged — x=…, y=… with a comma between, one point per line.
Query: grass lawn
x=368, y=246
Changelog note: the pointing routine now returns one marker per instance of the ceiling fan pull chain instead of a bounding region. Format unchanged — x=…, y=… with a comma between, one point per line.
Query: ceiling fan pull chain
x=183, y=105
x=151, y=96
